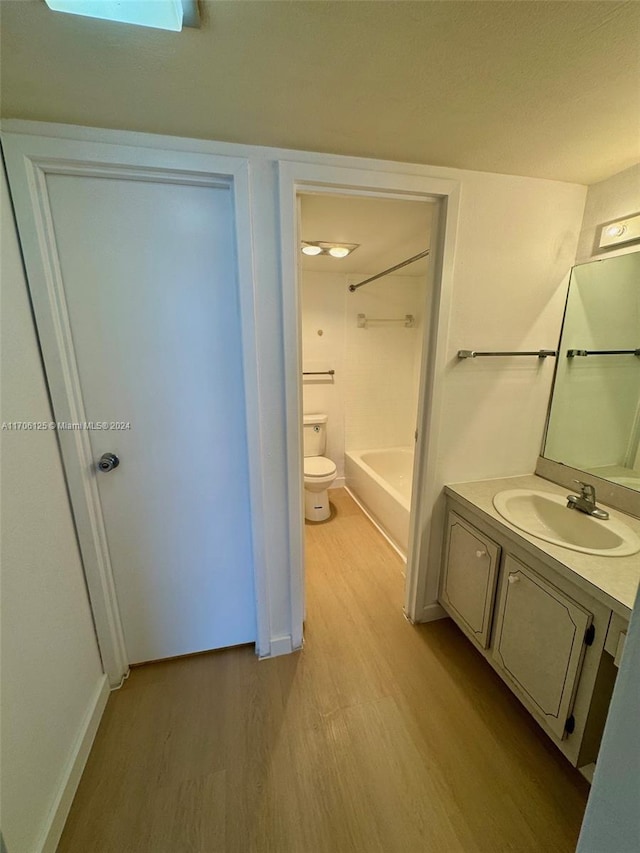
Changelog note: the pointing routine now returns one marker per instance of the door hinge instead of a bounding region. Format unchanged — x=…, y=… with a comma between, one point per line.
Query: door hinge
x=570, y=725
x=590, y=635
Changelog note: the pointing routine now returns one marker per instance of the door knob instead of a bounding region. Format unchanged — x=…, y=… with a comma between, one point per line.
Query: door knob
x=480, y=554
x=107, y=462
x=513, y=578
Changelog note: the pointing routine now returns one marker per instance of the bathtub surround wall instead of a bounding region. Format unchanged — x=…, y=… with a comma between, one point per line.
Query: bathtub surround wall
x=372, y=399
x=383, y=362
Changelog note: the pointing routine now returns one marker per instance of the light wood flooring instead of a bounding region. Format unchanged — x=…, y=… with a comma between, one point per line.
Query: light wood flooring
x=379, y=737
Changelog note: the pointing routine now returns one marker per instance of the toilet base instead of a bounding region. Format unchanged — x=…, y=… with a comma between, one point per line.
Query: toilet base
x=316, y=505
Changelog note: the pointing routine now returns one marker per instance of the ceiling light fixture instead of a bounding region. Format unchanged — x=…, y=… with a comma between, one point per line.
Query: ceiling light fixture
x=158, y=14
x=335, y=250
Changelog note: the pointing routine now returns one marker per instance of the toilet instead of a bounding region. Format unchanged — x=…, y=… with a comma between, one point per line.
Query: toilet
x=319, y=472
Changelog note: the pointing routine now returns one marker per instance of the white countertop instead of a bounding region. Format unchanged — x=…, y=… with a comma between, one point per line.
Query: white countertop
x=612, y=580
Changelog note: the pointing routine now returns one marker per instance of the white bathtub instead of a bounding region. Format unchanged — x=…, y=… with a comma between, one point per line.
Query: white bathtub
x=381, y=480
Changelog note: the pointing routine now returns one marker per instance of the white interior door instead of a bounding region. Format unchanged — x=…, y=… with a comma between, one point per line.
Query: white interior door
x=149, y=277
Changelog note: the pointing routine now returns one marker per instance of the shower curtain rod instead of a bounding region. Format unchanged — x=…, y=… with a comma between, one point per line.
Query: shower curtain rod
x=354, y=287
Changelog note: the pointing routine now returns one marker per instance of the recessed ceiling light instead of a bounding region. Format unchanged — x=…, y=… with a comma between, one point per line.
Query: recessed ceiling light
x=616, y=230
x=339, y=251
x=312, y=250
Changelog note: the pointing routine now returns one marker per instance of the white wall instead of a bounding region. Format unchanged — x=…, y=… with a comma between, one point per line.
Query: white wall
x=516, y=245
x=614, y=198
x=372, y=399
x=52, y=677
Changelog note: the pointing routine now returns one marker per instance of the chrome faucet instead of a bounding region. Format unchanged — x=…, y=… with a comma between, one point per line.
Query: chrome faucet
x=586, y=501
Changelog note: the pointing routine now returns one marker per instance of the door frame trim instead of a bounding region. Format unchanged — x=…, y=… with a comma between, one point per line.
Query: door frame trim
x=29, y=159
x=424, y=542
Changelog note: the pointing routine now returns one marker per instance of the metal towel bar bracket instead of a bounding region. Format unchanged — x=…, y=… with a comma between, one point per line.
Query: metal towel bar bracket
x=318, y=372
x=470, y=353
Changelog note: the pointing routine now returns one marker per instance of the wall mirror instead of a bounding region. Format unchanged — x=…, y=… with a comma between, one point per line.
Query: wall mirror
x=594, y=415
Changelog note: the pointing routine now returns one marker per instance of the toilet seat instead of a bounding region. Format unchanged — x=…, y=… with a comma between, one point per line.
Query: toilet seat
x=318, y=466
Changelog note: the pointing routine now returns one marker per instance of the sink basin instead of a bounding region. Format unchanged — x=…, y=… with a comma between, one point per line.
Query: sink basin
x=547, y=517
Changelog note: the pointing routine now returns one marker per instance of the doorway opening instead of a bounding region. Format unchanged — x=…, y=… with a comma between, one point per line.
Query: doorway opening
x=365, y=315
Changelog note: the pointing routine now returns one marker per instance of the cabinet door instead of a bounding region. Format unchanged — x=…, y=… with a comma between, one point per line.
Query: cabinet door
x=469, y=579
x=539, y=642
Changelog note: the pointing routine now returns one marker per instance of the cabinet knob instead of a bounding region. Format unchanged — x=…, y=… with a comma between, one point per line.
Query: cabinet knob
x=481, y=554
x=513, y=578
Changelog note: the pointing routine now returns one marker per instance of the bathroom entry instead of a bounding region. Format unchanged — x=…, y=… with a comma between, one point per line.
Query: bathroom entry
x=362, y=347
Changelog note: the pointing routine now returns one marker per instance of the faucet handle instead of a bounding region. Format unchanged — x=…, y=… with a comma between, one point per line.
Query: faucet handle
x=586, y=489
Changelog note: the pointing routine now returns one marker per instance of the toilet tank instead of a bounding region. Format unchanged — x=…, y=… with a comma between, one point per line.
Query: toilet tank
x=314, y=433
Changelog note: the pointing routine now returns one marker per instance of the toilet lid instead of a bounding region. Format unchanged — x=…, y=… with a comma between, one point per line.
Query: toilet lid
x=318, y=466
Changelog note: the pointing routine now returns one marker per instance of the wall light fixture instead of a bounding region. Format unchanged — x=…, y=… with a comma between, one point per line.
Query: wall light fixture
x=620, y=231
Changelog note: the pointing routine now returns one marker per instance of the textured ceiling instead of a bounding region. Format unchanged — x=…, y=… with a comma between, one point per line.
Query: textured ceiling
x=548, y=89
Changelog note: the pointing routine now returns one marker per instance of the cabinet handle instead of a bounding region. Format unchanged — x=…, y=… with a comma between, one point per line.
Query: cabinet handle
x=513, y=578
x=481, y=554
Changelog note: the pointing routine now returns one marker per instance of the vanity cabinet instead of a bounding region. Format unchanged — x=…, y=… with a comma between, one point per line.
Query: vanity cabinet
x=469, y=578
x=543, y=635
x=539, y=643
x=616, y=638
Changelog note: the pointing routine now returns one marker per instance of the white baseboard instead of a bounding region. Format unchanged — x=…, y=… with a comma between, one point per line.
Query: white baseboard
x=72, y=772
x=338, y=483
x=431, y=612
x=279, y=646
